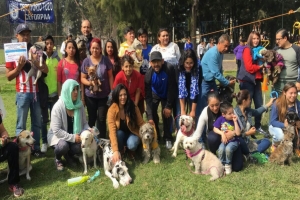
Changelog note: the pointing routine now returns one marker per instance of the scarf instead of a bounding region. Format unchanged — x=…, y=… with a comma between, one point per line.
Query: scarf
x=66, y=96
x=194, y=90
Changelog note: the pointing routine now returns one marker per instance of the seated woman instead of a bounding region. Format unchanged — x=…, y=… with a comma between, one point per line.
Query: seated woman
x=245, y=114
x=206, y=120
x=286, y=102
x=124, y=120
x=68, y=120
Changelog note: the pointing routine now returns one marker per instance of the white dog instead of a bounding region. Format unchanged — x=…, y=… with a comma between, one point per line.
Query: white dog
x=186, y=130
x=148, y=135
x=88, y=147
x=114, y=171
x=205, y=162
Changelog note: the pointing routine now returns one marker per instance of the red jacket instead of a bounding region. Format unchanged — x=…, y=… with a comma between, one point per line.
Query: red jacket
x=251, y=66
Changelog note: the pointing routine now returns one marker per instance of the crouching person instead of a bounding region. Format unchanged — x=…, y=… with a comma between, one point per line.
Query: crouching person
x=68, y=120
x=9, y=151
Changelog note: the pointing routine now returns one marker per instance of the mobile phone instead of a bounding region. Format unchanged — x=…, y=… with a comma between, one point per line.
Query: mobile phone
x=274, y=94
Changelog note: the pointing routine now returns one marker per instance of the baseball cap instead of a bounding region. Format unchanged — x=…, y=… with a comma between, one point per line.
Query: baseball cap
x=155, y=55
x=22, y=27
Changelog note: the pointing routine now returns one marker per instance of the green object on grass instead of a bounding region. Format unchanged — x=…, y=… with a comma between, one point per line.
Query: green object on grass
x=261, y=157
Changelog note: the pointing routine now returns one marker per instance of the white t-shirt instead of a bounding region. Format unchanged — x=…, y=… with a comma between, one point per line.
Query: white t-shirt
x=170, y=53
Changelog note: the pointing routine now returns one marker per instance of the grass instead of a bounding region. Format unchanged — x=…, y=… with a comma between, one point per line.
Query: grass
x=171, y=179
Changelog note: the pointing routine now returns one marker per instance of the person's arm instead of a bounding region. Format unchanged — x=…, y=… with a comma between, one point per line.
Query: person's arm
x=274, y=117
x=198, y=51
x=182, y=106
x=249, y=66
x=202, y=122
x=59, y=76
x=112, y=128
x=137, y=96
x=111, y=79
x=193, y=110
x=139, y=118
x=222, y=134
x=3, y=131
x=62, y=48
x=213, y=66
x=262, y=109
x=237, y=128
x=235, y=50
x=12, y=72
x=177, y=52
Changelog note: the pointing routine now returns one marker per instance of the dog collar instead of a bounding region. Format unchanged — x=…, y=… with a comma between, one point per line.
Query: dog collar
x=188, y=133
x=20, y=148
x=190, y=155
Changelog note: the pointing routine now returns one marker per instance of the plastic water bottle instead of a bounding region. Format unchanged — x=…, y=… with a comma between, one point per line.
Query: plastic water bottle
x=77, y=180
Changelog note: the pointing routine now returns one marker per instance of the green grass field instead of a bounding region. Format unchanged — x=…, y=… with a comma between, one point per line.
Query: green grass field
x=171, y=179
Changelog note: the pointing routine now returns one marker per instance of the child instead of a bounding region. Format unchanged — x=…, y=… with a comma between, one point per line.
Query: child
x=238, y=52
x=227, y=124
x=129, y=36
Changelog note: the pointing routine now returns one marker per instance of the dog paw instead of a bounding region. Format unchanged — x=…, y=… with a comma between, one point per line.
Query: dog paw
x=156, y=160
x=116, y=185
x=85, y=172
x=28, y=178
x=174, y=155
x=191, y=164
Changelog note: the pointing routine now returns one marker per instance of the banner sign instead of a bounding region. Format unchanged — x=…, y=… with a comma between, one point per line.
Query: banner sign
x=42, y=12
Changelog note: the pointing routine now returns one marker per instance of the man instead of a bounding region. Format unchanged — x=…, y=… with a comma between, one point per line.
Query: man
x=291, y=58
x=9, y=151
x=86, y=28
x=27, y=94
x=212, y=68
x=160, y=86
x=129, y=37
x=188, y=44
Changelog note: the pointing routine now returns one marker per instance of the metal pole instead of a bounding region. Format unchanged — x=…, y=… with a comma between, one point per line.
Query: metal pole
x=282, y=13
x=173, y=33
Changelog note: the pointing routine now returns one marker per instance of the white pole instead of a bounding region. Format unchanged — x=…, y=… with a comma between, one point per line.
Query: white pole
x=173, y=34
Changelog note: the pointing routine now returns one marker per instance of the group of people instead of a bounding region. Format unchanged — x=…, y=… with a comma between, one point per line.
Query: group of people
x=164, y=76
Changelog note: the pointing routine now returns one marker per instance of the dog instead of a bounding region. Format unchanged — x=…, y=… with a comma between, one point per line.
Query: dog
x=186, y=130
x=226, y=93
x=135, y=51
x=293, y=119
x=205, y=162
x=148, y=135
x=284, y=152
x=114, y=171
x=274, y=65
x=81, y=44
x=38, y=49
x=88, y=147
x=96, y=83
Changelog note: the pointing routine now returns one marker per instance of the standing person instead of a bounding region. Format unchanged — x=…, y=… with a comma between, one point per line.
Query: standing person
x=86, y=28
x=68, y=67
x=159, y=87
x=111, y=51
x=238, y=52
x=26, y=97
x=68, y=120
x=143, y=38
x=212, y=68
x=286, y=102
x=169, y=50
x=97, y=103
x=291, y=59
x=211, y=44
x=10, y=152
x=188, y=44
x=51, y=82
x=63, y=45
x=250, y=76
x=132, y=80
x=200, y=50
x=129, y=37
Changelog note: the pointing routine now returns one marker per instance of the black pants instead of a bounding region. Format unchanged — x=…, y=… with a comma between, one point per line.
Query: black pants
x=97, y=111
x=214, y=141
x=10, y=152
x=167, y=122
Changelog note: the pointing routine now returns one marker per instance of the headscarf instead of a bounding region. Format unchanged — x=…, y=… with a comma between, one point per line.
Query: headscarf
x=66, y=96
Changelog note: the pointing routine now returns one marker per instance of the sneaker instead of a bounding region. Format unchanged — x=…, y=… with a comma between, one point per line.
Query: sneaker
x=228, y=169
x=17, y=190
x=59, y=165
x=261, y=131
x=37, y=153
x=169, y=144
x=44, y=148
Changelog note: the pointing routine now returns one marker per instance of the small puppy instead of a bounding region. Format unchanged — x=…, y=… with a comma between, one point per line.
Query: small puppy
x=135, y=51
x=205, y=162
x=186, y=130
x=96, y=83
x=274, y=65
x=38, y=49
x=114, y=171
x=227, y=92
x=148, y=135
x=88, y=147
x=284, y=152
x=292, y=117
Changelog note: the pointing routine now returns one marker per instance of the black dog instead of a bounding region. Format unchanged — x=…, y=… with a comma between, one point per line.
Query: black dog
x=226, y=93
x=292, y=118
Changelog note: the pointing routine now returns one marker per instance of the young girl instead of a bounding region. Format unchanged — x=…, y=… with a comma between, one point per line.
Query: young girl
x=227, y=122
x=131, y=79
x=68, y=68
x=111, y=52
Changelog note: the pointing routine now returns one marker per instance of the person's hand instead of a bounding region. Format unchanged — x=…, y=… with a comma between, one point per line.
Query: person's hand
x=3, y=140
x=234, y=118
x=261, y=66
x=192, y=114
x=270, y=102
x=286, y=124
x=77, y=138
x=224, y=138
x=229, y=134
x=232, y=82
x=151, y=122
x=252, y=131
x=167, y=112
x=21, y=62
x=116, y=157
x=298, y=86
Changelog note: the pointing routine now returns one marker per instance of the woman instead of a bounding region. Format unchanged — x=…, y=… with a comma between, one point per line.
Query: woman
x=132, y=80
x=68, y=67
x=96, y=103
x=286, y=102
x=189, y=76
x=169, y=50
x=124, y=120
x=111, y=52
x=250, y=75
x=210, y=44
x=206, y=120
x=68, y=120
x=245, y=114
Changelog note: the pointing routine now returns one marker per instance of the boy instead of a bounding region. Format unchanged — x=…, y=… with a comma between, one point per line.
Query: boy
x=238, y=52
x=129, y=36
x=225, y=123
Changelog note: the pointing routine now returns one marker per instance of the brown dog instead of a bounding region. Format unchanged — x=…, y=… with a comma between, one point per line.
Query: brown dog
x=284, y=152
x=96, y=83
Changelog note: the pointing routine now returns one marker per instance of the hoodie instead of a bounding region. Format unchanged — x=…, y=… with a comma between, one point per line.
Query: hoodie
x=51, y=79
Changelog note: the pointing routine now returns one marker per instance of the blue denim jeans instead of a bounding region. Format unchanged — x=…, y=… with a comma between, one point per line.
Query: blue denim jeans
x=130, y=140
x=24, y=102
x=225, y=151
x=256, y=95
x=262, y=145
x=276, y=133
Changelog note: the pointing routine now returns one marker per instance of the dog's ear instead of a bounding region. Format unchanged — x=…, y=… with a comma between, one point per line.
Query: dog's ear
x=123, y=163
